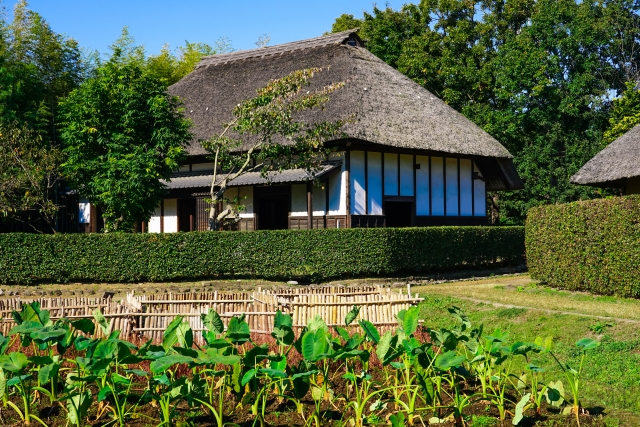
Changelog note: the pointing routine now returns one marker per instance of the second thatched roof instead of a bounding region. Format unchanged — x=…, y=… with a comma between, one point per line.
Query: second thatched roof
x=613, y=165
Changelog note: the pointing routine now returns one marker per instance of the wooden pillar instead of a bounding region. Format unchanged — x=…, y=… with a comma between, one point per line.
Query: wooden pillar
x=93, y=213
x=144, y=227
x=347, y=160
x=191, y=221
x=309, y=205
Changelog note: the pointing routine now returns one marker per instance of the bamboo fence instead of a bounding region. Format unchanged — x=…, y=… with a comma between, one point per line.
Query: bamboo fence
x=378, y=304
x=118, y=315
x=148, y=315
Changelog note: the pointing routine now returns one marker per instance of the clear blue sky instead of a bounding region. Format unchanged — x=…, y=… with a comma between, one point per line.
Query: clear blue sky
x=95, y=24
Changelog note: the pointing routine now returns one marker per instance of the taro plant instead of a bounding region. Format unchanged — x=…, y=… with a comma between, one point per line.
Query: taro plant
x=573, y=375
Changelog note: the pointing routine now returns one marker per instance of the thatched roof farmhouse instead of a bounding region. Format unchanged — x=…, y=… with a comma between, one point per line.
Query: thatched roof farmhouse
x=617, y=166
x=408, y=159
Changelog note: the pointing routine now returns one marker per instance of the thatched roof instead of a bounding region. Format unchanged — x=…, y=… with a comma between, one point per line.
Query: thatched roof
x=613, y=165
x=388, y=108
x=203, y=179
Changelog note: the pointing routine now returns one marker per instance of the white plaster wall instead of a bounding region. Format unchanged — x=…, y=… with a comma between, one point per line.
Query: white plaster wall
x=183, y=168
x=390, y=174
x=480, y=196
x=319, y=201
x=422, y=186
x=437, y=186
x=199, y=167
x=246, y=198
x=170, y=216
x=338, y=192
x=84, y=211
x=358, y=194
x=298, y=199
x=466, y=188
x=406, y=175
x=154, y=221
x=374, y=183
x=452, y=186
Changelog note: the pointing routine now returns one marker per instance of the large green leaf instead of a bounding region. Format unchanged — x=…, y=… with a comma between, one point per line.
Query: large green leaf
x=213, y=322
x=162, y=364
x=77, y=407
x=448, y=360
x=351, y=315
x=14, y=361
x=101, y=321
x=316, y=323
x=48, y=372
x=410, y=320
x=238, y=331
x=587, y=344
x=281, y=320
x=520, y=407
x=315, y=345
x=48, y=334
x=84, y=325
x=370, y=331
x=178, y=332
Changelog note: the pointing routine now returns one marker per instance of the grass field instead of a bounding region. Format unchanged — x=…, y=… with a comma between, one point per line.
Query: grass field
x=526, y=310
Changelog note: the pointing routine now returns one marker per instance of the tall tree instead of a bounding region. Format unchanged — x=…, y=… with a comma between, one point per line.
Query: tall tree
x=270, y=137
x=122, y=133
x=27, y=177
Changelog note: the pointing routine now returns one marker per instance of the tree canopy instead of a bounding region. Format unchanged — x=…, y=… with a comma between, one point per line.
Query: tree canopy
x=122, y=133
x=536, y=75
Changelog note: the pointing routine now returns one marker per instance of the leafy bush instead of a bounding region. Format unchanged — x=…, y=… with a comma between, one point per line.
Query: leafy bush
x=589, y=246
x=321, y=254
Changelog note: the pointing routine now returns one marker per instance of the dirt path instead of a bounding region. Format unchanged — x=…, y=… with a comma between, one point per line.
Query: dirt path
x=522, y=292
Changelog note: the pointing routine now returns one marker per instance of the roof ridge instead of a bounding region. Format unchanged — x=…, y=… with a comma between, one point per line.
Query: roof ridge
x=321, y=41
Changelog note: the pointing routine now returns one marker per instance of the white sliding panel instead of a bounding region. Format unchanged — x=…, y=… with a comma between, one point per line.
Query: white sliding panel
x=338, y=192
x=84, y=211
x=170, y=215
x=319, y=202
x=202, y=167
x=154, y=221
x=298, y=199
x=422, y=185
x=479, y=195
x=374, y=183
x=406, y=175
x=437, y=186
x=358, y=193
x=246, y=198
x=466, y=188
x=452, y=187
x=390, y=174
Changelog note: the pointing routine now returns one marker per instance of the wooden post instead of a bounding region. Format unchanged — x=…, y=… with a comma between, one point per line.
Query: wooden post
x=191, y=222
x=144, y=226
x=93, y=218
x=309, y=205
x=347, y=160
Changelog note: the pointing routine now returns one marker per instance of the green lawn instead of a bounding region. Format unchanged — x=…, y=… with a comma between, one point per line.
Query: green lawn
x=612, y=371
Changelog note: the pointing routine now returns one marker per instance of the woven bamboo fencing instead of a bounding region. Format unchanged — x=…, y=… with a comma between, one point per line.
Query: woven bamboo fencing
x=118, y=315
x=380, y=305
x=147, y=316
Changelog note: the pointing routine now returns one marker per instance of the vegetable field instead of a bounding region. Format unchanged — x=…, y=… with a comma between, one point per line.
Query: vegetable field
x=77, y=372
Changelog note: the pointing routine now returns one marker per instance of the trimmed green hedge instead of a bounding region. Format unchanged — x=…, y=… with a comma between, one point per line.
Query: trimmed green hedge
x=589, y=246
x=320, y=254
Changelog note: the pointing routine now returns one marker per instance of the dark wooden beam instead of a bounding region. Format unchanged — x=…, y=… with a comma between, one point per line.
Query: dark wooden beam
x=309, y=205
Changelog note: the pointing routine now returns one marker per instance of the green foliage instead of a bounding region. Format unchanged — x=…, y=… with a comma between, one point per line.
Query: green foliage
x=267, y=254
x=536, y=75
x=261, y=124
x=28, y=174
x=625, y=113
x=122, y=133
x=587, y=246
x=37, y=68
